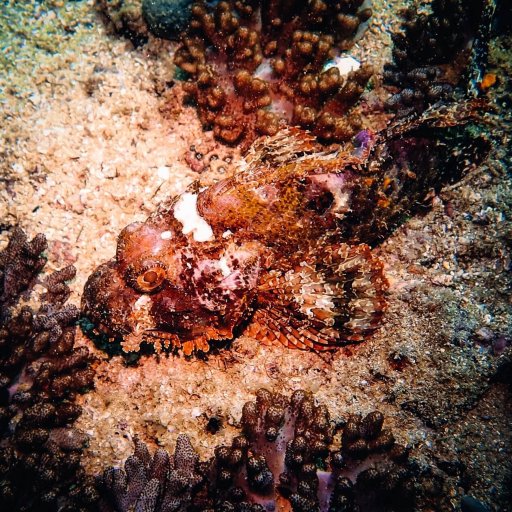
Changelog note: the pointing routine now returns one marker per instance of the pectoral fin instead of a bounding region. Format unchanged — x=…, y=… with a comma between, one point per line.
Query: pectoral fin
x=334, y=296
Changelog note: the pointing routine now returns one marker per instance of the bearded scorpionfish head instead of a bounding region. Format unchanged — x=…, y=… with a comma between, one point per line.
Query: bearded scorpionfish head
x=122, y=296
x=163, y=289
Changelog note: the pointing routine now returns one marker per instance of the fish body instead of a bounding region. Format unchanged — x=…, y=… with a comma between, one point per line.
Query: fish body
x=278, y=251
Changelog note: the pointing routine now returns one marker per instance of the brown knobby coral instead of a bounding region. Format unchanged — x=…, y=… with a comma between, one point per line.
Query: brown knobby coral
x=41, y=371
x=255, y=66
x=291, y=455
x=433, y=52
x=125, y=18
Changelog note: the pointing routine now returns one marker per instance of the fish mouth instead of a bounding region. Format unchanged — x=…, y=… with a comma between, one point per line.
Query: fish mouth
x=107, y=302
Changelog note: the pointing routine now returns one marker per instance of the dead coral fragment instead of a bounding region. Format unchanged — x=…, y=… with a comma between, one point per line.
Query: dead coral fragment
x=256, y=66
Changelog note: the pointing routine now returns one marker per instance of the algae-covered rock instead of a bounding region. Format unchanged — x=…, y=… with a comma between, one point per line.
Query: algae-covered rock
x=125, y=18
x=166, y=18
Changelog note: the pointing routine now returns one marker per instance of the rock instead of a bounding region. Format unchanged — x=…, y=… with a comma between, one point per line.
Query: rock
x=470, y=504
x=166, y=18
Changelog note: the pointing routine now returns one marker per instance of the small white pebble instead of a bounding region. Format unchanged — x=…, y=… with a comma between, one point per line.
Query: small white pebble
x=344, y=64
x=163, y=172
x=196, y=412
x=166, y=235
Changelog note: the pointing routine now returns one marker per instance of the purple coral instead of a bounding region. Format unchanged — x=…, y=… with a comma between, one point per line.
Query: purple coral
x=41, y=371
x=148, y=483
x=20, y=262
x=288, y=453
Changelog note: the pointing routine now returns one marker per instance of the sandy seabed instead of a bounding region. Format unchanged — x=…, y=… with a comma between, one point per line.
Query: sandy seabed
x=94, y=136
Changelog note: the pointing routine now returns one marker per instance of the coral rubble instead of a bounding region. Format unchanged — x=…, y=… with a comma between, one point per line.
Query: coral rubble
x=41, y=371
x=432, y=53
x=291, y=456
x=256, y=66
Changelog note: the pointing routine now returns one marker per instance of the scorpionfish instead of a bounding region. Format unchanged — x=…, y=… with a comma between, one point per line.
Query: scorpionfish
x=278, y=251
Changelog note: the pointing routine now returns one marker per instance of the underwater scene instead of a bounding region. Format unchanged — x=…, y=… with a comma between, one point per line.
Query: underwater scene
x=255, y=256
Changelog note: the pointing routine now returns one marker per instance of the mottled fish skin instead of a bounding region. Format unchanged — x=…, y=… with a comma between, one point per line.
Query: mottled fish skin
x=278, y=250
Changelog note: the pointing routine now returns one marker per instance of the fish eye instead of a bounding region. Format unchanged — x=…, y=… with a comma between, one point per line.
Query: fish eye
x=147, y=277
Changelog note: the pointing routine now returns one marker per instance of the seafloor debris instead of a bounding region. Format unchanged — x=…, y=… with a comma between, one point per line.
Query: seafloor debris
x=433, y=52
x=125, y=18
x=40, y=373
x=291, y=456
x=279, y=247
x=255, y=66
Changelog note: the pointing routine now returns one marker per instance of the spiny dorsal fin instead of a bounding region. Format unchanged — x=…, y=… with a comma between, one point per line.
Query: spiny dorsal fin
x=283, y=147
x=441, y=115
x=274, y=196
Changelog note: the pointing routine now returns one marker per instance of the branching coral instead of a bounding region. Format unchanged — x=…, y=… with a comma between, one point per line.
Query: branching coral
x=152, y=483
x=254, y=66
x=20, y=262
x=40, y=373
x=432, y=52
x=291, y=456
